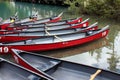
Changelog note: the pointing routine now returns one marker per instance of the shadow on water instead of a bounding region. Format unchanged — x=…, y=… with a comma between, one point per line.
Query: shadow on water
x=103, y=53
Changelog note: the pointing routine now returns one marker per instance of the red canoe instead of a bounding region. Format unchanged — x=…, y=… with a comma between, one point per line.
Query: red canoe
x=61, y=69
x=55, y=42
x=28, y=20
x=14, y=19
x=34, y=34
x=44, y=20
x=71, y=21
x=10, y=20
x=84, y=23
x=68, y=21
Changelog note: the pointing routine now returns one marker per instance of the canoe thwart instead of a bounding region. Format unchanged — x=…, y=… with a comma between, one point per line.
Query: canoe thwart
x=47, y=32
x=54, y=36
x=58, y=38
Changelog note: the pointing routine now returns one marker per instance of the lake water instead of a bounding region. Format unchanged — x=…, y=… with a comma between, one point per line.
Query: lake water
x=103, y=53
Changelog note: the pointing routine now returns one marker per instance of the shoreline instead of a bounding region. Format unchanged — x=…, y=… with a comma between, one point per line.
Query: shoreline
x=49, y=2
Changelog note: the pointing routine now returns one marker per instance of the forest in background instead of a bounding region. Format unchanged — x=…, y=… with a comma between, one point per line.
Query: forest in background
x=104, y=8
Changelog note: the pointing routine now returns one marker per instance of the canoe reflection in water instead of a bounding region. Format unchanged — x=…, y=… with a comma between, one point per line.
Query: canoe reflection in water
x=77, y=49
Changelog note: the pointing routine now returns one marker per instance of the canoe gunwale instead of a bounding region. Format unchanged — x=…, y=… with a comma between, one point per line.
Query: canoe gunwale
x=77, y=66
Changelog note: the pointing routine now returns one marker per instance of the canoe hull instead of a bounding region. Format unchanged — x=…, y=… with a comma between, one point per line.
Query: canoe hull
x=27, y=66
x=6, y=25
x=85, y=24
x=44, y=47
x=41, y=28
x=18, y=38
x=55, y=19
x=61, y=68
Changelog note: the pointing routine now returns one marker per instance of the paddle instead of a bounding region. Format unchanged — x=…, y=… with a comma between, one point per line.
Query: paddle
x=92, y=77
x=60, y=14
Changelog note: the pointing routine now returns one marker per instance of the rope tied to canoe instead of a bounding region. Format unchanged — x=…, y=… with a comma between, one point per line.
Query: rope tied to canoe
x=54, y=36
x=92, y=77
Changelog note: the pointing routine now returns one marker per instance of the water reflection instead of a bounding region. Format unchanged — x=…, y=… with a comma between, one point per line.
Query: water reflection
x=114, y=60
x=103, y=53
x=7, y=9
x=26, y=9
x=107, y=57
x=88, y=47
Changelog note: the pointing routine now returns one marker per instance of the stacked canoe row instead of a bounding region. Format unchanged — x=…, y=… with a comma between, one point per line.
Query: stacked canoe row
x=47, y=34
x=32, y=34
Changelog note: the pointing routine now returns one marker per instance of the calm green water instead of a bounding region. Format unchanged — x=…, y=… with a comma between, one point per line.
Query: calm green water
x=103, y=53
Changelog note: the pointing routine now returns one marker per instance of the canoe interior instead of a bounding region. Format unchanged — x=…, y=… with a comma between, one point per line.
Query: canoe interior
x=22, y=21
x=56, y=23
x=51, y=23
x=47, y=24
x=36, y=25
x=59, y=26
x=42, y=64
x=41, y=28
x=10, y=72
x=40, y=21
x=51, y=39
x=43, y=33
x=34, y=29
x=49, y=27
x=63, y=70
